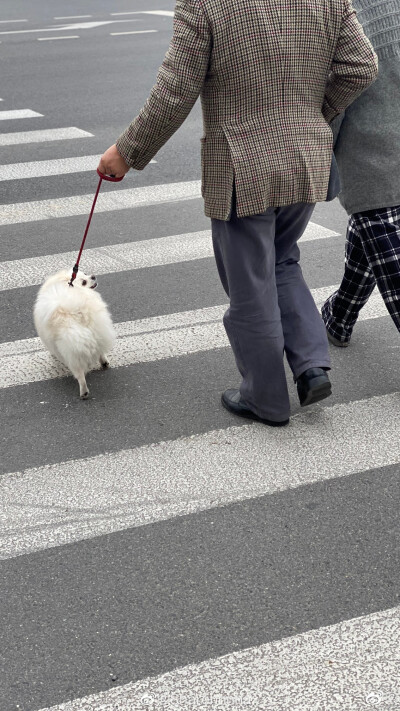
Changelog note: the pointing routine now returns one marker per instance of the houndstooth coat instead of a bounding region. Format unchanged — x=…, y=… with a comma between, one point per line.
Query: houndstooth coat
x=271, y=74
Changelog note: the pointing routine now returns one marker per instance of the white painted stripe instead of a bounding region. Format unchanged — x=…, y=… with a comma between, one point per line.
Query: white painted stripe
x=51, y=39
x=73, y=17
x=110, y=258
x=137, y=32
x=76, y=26
x=316, y=232
x=44, y=168
x=160, y=340
x=116, y=200
x=25, y=32
x=52, y=134
x=92, y=25
x=18, y=114
x=113, y=200
x=155, y=324
x=8, y=22
x=350, y=666
x=1, y=99
x=70, y=501
x=164, y=337
x=166, y=13
x=123, y=257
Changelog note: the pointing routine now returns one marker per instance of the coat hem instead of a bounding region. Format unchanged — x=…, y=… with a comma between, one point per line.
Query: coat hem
x=365, y=207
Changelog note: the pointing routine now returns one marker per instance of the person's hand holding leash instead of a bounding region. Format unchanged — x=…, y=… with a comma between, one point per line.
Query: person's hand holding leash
x=112, y=163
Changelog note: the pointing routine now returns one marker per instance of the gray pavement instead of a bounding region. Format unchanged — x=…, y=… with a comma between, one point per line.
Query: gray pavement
x=190, y=547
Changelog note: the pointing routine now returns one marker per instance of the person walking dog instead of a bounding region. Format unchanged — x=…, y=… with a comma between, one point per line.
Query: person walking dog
x=367, y=150
x=272, y=75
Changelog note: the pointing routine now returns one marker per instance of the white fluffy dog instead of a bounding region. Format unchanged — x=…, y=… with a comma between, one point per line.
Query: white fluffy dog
x=74, y=324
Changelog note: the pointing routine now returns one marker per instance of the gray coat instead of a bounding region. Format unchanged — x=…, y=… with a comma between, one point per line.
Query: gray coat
x=367, y=147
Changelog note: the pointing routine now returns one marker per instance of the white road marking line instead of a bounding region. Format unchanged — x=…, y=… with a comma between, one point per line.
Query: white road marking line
x=73, y=17
x=349, y=665
x=18, y=114
x=137, y=32
x=92, y=25
x=123, y=257
x=117, y=200
x=316, y=232
x=113, y=200
x=52, y=134
x=166, y=13
x=51, y=39
x=57, y=504
x=24, y=32
x=143, y=341
x=38, y=365
x=8, y=22
x=110, y=259
x=124, y=329
x=44, y=168
x=76, y=26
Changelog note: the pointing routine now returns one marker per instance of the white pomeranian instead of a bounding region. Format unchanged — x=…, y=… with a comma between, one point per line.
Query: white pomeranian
x=74, y=324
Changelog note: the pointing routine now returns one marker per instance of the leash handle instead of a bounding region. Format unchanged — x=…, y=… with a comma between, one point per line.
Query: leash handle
x=110, y=178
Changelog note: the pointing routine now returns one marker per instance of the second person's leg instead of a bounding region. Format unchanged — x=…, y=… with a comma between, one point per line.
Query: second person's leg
x=380, y=234
x=340, y=311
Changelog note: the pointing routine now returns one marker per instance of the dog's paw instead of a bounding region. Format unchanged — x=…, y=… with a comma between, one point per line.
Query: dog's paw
x=104, y=363
x=85, y=395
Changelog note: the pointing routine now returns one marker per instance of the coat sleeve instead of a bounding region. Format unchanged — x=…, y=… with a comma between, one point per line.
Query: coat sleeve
x=177, y=88
x=354, y=66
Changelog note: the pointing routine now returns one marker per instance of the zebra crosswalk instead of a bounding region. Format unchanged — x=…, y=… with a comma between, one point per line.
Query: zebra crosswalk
x=127, y=198
x=220, y=564
x=142, y=341
x=123, y=257
x=55, y=505
x=335, y=664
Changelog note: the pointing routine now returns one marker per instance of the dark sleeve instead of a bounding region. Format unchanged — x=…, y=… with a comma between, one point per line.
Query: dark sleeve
x=354, y=66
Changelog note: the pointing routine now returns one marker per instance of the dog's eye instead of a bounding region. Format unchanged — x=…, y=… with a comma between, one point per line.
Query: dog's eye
x=84, y=282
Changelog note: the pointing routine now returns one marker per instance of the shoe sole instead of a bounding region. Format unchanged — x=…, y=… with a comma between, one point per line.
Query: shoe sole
x=318, y=391
x=336, y=342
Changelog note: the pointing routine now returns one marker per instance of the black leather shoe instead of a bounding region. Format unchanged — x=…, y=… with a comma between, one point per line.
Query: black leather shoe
x=232, y=402
x=313, y=385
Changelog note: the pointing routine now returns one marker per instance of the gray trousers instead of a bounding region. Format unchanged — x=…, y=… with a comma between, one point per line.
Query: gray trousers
x=271, y=309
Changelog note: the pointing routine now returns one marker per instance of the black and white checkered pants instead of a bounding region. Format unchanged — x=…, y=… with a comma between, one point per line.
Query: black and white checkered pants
x=372, y=258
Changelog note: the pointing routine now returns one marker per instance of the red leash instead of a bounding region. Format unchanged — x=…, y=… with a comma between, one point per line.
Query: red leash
x=111, y=179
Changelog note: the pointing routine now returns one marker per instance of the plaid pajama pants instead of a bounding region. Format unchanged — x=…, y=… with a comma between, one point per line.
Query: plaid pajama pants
x=372, y=258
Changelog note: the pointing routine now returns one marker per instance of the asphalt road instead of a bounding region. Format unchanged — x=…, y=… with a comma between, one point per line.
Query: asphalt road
x=155, y=552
